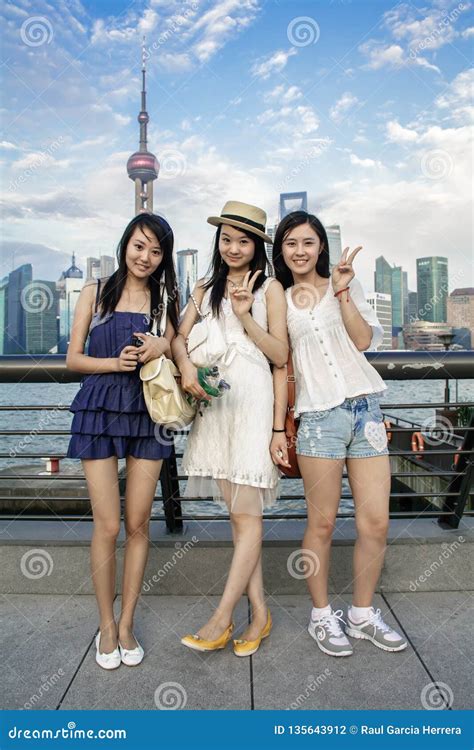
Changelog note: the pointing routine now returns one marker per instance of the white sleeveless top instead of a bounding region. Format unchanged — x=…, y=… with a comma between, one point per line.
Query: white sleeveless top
x=234, y=333
x=328, y=366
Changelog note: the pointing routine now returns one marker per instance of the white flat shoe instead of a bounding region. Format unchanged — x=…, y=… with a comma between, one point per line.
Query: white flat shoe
x=107, y=661
x=131, y=656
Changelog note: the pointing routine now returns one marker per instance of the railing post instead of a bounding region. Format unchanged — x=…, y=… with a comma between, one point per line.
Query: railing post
x=460, y=484
x=170, y=491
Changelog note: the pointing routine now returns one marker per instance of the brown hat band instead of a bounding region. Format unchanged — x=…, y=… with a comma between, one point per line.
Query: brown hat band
x=243, y=220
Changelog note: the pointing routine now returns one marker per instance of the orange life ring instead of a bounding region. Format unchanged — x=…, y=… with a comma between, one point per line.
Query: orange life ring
x=417, y=443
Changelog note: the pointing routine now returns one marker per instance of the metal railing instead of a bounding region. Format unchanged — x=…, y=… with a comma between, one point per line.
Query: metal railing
x=450, y=458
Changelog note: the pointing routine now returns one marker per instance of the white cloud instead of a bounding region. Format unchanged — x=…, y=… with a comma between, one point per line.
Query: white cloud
x=37, y=160
x=273, y=64
x=284, y=94
x=396, y=133
x=341, y=107
x=380, y=55
x=176, y=63
x=426, y=28
x=392, y=56
x=457, y=99
x=366, y=163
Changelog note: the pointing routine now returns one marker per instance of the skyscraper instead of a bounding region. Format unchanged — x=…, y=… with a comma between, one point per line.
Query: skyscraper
x=40, y=301
x=333, y=232
x=398, y=300
x=15, y=335
x=143, y=166
x=292, y=202
x=107, y=266
x=100, y=268
x=432, y=288
x=268, y=246
x=383, y=276
x=460, y=306
x=3, y=312
x=382, y=304
x=69, y=287
x=187, y=274
x=412, y=307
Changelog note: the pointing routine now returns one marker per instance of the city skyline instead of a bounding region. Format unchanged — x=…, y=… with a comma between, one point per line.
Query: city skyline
x=326, y=116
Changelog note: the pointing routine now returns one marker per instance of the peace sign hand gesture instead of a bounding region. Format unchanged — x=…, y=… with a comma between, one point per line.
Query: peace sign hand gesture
x=343, y=273
x=241, y=297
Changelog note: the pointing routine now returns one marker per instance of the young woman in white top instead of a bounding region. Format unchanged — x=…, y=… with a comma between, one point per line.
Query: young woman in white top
x=330, y=325
x=227, y=453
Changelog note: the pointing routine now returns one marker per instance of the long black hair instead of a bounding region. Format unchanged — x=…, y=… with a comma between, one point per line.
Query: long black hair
x=218, y=268
x=292, y=220
x=113, y=288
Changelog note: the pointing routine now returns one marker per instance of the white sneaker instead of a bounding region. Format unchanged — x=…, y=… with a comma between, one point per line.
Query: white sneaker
x=376, y=630
x=132, y=656
x=329, y=635
x=106, y=661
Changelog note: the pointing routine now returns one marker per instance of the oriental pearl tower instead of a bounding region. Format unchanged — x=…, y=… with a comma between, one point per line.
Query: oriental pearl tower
x=143, y=166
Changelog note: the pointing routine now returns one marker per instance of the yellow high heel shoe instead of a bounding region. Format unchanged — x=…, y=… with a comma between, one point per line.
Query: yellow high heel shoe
x=247, y=648
x=200, y=644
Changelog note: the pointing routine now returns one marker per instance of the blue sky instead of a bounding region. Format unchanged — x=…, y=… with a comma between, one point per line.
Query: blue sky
x=366, y=105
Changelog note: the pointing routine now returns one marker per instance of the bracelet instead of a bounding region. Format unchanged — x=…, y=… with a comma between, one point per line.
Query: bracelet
x=273, y=430
x=346, y=289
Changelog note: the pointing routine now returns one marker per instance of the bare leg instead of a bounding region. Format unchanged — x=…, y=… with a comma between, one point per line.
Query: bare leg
x=102, y=484
x=142, y=476
x=256, y=595
x=322, y=478
x=247, y=535
x=370, y=484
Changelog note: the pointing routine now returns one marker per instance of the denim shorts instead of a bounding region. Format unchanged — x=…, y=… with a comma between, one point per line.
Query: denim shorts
x=354, y=429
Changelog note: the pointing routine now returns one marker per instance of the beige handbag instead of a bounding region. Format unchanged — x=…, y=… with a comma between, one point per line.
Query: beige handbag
x=165, y=400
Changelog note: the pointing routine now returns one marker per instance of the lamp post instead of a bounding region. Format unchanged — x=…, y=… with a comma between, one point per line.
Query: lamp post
x=446, y=339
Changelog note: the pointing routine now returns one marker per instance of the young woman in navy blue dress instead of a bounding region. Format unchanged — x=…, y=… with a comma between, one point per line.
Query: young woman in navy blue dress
x=111, y=420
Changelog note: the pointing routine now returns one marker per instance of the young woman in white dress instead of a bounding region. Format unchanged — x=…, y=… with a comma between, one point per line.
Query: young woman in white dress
x=227, y=454
x=330, y=325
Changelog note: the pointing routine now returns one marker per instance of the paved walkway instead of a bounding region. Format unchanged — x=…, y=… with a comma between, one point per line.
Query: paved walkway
x=48, y=657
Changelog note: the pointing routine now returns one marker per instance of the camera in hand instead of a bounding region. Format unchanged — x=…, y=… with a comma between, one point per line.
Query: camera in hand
x=136, y=341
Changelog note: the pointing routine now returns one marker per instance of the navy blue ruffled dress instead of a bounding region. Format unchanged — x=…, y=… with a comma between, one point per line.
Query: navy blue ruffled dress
x=110, y=414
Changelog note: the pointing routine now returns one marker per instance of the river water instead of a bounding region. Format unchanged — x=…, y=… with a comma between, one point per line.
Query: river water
x=408, y=391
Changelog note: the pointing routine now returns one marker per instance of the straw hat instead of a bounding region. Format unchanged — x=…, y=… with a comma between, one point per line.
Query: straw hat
x=244, y=216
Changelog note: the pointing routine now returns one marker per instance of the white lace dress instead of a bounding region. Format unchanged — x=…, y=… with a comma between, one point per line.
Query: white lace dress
x=227, y=456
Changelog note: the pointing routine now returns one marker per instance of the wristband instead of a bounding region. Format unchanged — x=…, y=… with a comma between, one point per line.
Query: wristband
x=346, y=289
x=273, y=430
